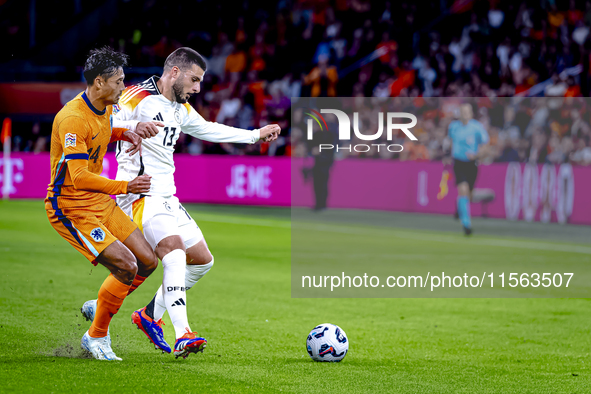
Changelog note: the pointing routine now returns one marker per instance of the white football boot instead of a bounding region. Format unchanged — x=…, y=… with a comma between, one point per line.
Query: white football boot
x=100, y=348
x=88, y=311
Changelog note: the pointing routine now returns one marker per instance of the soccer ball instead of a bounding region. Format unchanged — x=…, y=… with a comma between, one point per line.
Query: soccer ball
x=327, y=342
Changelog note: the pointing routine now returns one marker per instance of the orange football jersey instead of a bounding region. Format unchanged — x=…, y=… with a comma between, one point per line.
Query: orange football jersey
x=81, y=132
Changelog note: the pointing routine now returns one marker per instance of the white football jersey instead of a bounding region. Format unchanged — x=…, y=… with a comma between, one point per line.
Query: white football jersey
x=144, y=103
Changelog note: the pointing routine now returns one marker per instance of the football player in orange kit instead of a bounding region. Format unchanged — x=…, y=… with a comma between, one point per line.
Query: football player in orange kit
x=78, y=204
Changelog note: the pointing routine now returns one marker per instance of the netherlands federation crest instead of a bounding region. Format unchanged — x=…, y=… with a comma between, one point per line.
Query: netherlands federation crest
x=98, y=234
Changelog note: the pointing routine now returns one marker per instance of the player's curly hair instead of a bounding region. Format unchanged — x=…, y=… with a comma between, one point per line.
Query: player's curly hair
x=184, y=58
x=104, y=62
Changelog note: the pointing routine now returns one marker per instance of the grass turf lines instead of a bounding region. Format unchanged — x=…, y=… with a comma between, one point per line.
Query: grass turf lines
x=256, y=333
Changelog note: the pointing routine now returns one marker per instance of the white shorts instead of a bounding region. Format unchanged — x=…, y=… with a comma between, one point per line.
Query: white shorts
x=161, y=217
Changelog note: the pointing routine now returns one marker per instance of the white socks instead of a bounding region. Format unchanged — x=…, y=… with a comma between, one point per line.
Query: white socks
x=195, y=272
x=173, y=290
x=192, y=275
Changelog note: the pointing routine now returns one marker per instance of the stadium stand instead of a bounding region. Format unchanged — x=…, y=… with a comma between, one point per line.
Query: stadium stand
x=261, y=54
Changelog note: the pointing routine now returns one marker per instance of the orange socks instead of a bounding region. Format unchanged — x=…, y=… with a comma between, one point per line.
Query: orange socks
x=137, y=281
x=110, y=297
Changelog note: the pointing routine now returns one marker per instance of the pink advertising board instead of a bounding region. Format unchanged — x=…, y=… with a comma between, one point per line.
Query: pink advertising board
x=233, y=179
x=538, y=193
x=201, y=179
x=521, y=192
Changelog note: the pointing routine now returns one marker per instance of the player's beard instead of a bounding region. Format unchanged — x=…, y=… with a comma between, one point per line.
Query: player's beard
x=179, y=96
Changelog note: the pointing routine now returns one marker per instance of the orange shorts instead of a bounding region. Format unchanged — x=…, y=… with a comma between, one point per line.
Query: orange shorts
x=91, y=230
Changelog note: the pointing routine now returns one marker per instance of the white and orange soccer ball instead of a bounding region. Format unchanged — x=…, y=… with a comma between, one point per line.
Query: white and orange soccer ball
x=327, y=342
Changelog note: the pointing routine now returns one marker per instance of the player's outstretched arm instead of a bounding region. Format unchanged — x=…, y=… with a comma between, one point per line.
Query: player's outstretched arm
x=270, y=132
x=143, y=129
x=82, y=179
x=215, y=132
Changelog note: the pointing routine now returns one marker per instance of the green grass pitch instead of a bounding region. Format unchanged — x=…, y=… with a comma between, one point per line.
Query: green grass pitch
x=256, y=332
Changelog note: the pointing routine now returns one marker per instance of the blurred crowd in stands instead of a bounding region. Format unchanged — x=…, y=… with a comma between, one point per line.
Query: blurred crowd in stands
x=537, y=130
x=261, y=54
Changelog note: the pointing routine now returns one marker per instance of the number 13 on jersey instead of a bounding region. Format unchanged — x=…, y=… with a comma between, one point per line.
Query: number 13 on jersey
x=169, y=134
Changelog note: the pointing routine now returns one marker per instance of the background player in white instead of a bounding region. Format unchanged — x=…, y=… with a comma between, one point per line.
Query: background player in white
x=159, y=105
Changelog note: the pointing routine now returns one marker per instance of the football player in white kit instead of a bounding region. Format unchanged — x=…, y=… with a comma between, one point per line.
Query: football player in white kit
x=158, y=108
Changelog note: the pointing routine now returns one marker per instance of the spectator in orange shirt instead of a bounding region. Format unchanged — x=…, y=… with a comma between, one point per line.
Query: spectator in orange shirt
x=573, y=89
x=163, y=47
x=257, y=86
x=323, y=79
x=236, y=61
x=415, y=150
